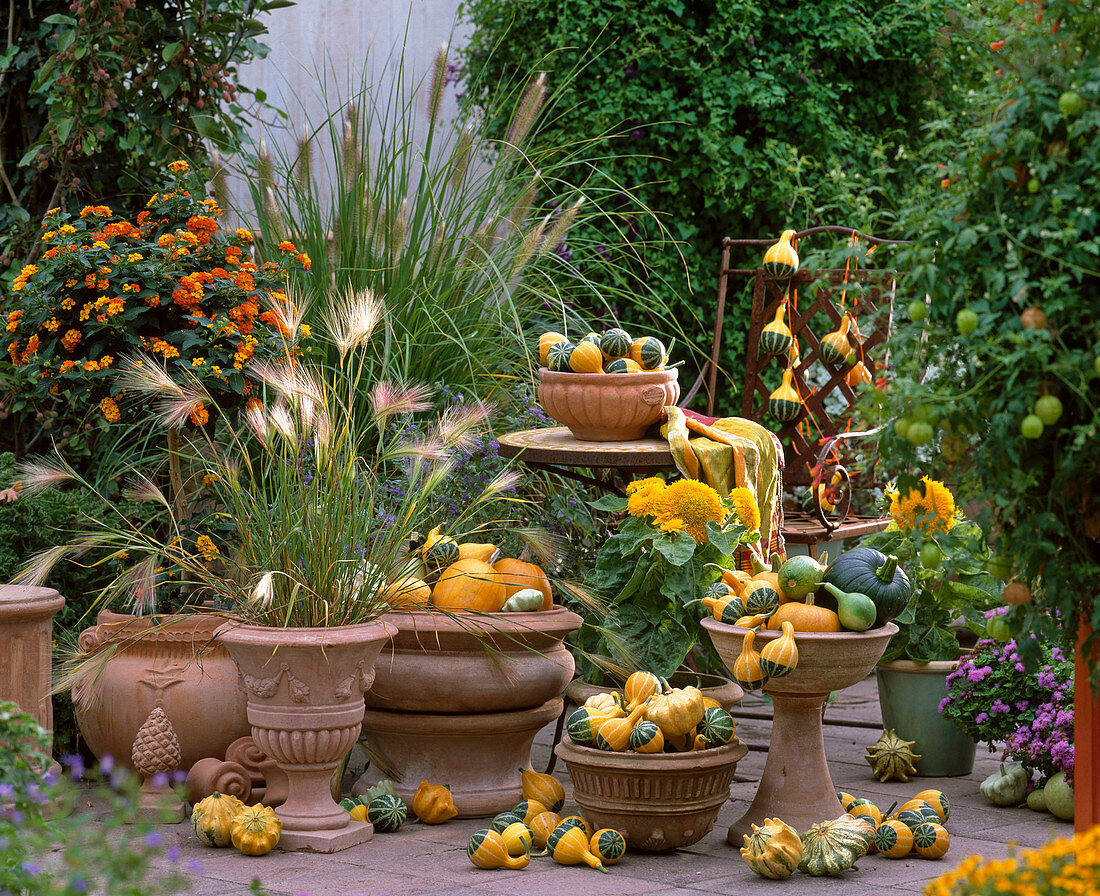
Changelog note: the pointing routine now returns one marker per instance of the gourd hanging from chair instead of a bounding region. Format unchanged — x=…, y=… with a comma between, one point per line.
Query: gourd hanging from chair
x=785, y=404
x=836, y=347
x=781, y=260
x=776, y=337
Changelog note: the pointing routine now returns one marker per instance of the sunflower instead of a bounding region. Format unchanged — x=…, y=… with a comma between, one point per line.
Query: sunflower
x=690, y=505
x=644, y=496
x=745, y=508
x=931, y=509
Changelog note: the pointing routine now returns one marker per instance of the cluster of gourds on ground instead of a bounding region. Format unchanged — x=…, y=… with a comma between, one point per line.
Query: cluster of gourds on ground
x=775, y=850
x=863, y=588
x=222, y=819
x=612, y=352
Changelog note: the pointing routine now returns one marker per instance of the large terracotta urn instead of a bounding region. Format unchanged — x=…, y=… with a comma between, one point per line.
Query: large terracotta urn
x=305, y=705
x=796, y=785
x=459, y=699
x=169, y=661
x=607, y=407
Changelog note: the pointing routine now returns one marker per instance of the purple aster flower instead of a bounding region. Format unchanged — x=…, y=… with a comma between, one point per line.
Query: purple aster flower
x=153, y=838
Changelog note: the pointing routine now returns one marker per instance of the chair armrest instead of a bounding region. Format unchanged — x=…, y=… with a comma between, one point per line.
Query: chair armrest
x=825, y=470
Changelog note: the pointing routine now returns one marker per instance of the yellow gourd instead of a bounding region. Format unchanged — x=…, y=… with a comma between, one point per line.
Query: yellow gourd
x=578, y=821
x=470, y=585
x=784, y=403
x=528, y=809
x=517, y=839
x=546, y=789
x=608, y=845
x=805, y=617
x=776, y=336
x=606, y=704
x=358, y=812
x=255, y=831
x=746, y=668
x=487, y=849
x=408, y=594
x=835, y=346
x=542, y=826
x=433, y=803
x=213, y=816
x=478, y=551
x=781, y=259
x=780, y=657
x=586, y=357
x=676, y=711
x=751, y=621
x=858, y=375
x=614, y=734
x=640, y=686
x=569, y=846
x=545, y=341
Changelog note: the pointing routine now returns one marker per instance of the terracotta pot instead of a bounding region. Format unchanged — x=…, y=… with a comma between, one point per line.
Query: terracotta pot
x=473, y=663
x=727, y=693
x=659, y=801
x=607, y=407
x=796, y=785
x=305, y=704
x=170, y=661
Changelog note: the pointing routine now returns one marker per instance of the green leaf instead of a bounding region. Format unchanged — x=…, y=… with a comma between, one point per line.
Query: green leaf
x=206, y=127
x=678, y=550
x=60, y=19
x=171, y=51
x=168, y=81
x=610, y=503
x=64, y=128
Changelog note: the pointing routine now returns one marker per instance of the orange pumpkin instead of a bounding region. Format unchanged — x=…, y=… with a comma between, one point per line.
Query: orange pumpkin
x=517, y=575
x=408, y=593
x=805, y=617
x=470, y=584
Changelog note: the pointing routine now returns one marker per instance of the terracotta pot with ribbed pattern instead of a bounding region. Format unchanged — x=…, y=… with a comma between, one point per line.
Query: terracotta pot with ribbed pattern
x=660, y=801
x=607, y=407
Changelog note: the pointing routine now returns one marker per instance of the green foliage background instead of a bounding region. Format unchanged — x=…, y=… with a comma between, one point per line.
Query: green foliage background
x=733, y=119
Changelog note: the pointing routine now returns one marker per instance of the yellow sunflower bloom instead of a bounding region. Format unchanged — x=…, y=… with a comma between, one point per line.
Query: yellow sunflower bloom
x=930, y=511
x=745, y=508
x=644, y=496
x=694, y=504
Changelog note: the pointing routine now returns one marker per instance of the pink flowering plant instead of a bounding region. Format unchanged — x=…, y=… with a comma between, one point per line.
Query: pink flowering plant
x=992, y=697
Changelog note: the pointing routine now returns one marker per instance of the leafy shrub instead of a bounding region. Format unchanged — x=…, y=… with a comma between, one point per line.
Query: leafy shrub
x=729, y=119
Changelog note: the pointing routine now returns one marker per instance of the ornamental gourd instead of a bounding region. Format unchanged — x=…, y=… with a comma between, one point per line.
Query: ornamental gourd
x=542, y=826
x=867, y=571
x=213, y=816
x=528, y=809
x=836, y=348
x=649, y=353
x=546, y=789
x=569, y=845
x=858, y=375
x=727, y=610
x=805, y=617
x=609, y=704
x=676, y=711
x=408, y=593
x=775, y=337
x=557, y=357
x=894, y=839
x=546, y=340
x=517, y=839
x=614, y=734
x=716, y=727
x=768, y=574
x=387, y=813
x=586, y=357
x=615, y=344
x=487, y=849
x=255, y=831
x=502, y=819
x=937, y=799
x=608, y=845
x=856, y=611
x=785, y=404
x=438, y=551
x=760, y=599
x=1007, y=786
x=747, y=671
x=577, y=821
x=582, y=723
x=479, y=550
x=622, y=365
x=526, y=600
x=646, y=737
x=433, y=803
x=773, y=849
x=779, y=657
x=639, y=687
x=931, y=840
x=781, y=260
x=470, y=586
x=891, y=757
x=518, y=575
x=831, y=847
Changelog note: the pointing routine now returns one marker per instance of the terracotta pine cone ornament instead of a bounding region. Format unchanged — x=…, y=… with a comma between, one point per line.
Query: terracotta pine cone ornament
x=891, y=757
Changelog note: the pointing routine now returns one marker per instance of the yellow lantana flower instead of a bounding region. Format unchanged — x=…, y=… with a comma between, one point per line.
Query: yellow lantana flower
x=932, y=511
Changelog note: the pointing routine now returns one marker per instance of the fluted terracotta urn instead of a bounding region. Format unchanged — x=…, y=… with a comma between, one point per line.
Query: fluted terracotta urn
x=305, y=705
x=796, y=785
x=459, y=699
x=607, y=407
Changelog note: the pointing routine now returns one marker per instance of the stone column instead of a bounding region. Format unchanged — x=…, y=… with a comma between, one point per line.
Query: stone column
x=26, y=656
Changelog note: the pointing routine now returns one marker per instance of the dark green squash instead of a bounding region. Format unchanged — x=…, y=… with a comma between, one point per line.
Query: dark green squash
x=867, y=571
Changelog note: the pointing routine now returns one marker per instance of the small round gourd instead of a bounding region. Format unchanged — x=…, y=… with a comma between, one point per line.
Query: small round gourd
x=557, y=358
x=647, y=738
x=911, y=818
x=517, y=839
x=546, y=341
x=581, y=725
x=528, y=809
x=937, y=799
x=387, y=812
x=213, y=816
x=846, y=799
x=924, y=807
x=639, y=687
x=894, y=839
x=648, y=352
x=440, y=554
x=931, y=840
x=486, y=849
x=717, y=727
x=622, y=365
x=835, y=346
x=760, y=599
x=614, y=734
x=590, y=337
x=719, y=591
x=780, y=656
x=255, y=830
x=867, y=810
x=615, y=343
x=892, y=757
x=502, y=819
x=586, y=357
x=608, y=703
x=608, y=845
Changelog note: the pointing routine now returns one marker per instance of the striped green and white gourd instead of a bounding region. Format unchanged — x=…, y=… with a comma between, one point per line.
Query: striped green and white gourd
x=594, y=338
x=608, y=844
x=780, y=656
x=716, y=726
x=387, y=812
x=557, y=357
x=615, y=343
x=894, y=839
x=622, y=365
x=931, y=840
x=718, y=591
x=646, y=737
x=912, y=818
x=581, y=725
x=775, y=337
x=649, y=353
x=502, y=819
x=760, y=599
x=784, y=403
x=781, y=260
x=937, y=799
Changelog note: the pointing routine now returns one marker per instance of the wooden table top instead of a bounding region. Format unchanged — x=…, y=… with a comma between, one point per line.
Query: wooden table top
x=556, y=445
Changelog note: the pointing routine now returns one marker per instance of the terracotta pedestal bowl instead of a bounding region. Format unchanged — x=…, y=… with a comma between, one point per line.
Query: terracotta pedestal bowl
x=796, y=785
x=607, y=407
x=660, y=801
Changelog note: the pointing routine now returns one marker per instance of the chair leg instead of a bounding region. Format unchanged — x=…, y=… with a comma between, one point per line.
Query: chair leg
x=558, y=729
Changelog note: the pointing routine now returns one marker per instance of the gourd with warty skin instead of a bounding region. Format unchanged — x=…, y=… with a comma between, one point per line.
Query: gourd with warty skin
x=773, y=849
x=213, y=817
x=830, y=847
x=255, y=831
x=676, y=710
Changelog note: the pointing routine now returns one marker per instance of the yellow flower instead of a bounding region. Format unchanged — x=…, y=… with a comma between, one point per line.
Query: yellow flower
x=206, y=546
x=932, y=511
x=110, y=410
x=745, y=508
x=692, y=505
x=644, y=496
x=179, y=167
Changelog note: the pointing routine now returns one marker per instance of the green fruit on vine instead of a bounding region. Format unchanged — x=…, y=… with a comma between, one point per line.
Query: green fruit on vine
x=966, y=321
x=918, y=311
x=1071, y=104
x=901, y=427
x=1048, y=409
x=998, y=629
x=1000, y=567
x=919, y=432
x=1034, y=184
x=1096, y=364
x=1031, y=427
x=930, y=555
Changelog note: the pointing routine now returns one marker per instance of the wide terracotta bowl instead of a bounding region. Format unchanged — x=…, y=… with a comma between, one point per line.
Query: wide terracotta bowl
x=660, y=801
x=725, y=692
x=607, y=407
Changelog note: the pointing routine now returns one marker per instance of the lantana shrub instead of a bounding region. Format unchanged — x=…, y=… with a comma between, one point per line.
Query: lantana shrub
x=171, y=283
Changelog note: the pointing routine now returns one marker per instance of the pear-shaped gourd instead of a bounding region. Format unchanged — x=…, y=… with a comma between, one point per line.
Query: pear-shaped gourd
x=784, y=403
x=487, y=849
x=614, y=734
x=780, y=657
x=781, y=260
x=639, y=687
x=835, y=346
x=776, y=337
x=727, y=610
x=857, y=611
x=858, y=375
x=747, y=671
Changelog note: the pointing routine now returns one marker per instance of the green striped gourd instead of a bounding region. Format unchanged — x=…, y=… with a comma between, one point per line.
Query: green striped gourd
x=746, y=668
x=528, y=809
x=835, y=346
x=938, y=801
x=387, y=812
x=784, y=403
x=608, y=844
x=517, y=839
x=649, y=353
x=760, y=599
x=830, y=847
x=622, y=365
x=780, y=657
x=615, y=343
x=594, y=338
x=776, y=337
x=581, y=725
x=568, y=845
x=586, y=357
x=557, y=356
x=502, y=819
x=486, y=849
x=911, y=818
x=931, y=840
x=576, y=821
x=716, y=726
x=647, y=737
x=781, y=259
x=894, y=839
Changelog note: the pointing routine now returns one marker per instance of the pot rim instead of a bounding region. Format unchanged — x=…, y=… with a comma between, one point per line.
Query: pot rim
x=241, y=632
x=722, y=628
x=932, y=667
x=645, y=377
x=702, y=760
x=556, y=619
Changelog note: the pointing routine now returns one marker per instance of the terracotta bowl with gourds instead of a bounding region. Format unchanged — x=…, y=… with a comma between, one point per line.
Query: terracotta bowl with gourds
x=607, y=407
